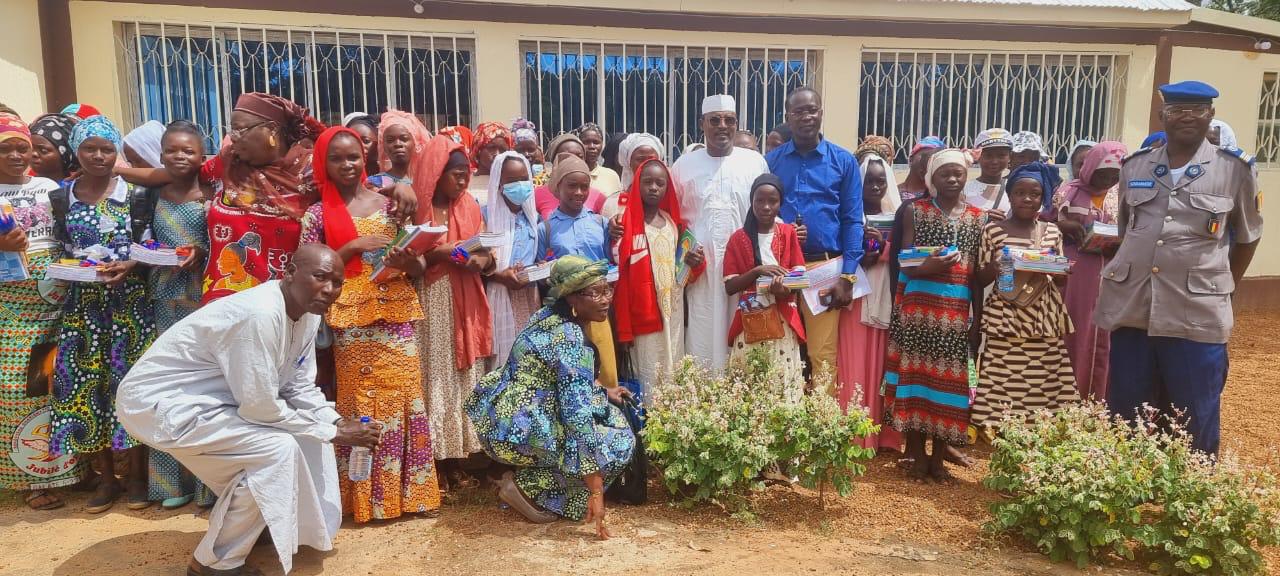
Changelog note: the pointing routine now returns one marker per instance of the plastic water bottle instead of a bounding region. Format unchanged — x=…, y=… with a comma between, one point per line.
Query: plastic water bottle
x=1005, y=281
x=360, y=465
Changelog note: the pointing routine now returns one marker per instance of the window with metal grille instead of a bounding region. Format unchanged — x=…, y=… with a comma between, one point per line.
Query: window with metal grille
x=657, y=88
x=196, y=72
x=906, y=95
x=1269, y=119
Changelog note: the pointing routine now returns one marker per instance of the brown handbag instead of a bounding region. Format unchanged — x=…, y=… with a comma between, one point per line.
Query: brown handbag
x=761, y=325
x=1028, y=286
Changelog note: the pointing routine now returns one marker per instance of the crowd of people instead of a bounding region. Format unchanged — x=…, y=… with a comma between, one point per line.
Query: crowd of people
x=229, y=379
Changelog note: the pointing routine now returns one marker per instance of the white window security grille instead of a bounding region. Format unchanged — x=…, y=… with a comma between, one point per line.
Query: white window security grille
x=196, y=72
x=657, y=88
x=906, y=95
x=1269, y=119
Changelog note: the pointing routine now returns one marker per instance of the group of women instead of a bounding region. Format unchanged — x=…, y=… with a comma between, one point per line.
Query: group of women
x=933, y=357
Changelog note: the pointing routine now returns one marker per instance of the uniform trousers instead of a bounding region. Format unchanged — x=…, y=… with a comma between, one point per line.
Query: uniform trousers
x=1169, y=374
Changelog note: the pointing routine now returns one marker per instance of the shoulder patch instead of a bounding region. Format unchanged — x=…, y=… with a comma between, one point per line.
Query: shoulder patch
x=1238, y=154
x=1136, y=153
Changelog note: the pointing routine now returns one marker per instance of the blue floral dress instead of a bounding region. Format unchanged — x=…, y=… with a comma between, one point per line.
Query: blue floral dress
x=104, y=331
x=543, y=414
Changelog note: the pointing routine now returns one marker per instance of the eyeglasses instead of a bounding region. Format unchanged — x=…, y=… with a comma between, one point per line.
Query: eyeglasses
x=1199, y=111
x=804, y=111
x=599, y=293
x=721, y=121
x=237, y=133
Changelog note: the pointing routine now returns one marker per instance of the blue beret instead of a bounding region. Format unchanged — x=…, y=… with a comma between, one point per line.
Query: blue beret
x=1188, y=92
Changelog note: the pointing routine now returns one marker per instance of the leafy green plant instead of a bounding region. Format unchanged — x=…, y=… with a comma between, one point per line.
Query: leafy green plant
x=1083, y=484
x=712, y=437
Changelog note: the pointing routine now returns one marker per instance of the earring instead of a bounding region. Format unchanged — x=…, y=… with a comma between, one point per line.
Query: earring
x=573, y=311
x=272, y=141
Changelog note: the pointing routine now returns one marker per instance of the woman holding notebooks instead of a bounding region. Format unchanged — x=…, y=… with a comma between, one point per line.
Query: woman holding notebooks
x=375, y=337
x=511, y=211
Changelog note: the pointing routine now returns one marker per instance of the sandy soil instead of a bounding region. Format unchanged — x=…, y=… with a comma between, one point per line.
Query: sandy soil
x=889, y=526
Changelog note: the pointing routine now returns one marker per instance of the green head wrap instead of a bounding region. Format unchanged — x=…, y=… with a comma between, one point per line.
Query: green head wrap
x=573, y=273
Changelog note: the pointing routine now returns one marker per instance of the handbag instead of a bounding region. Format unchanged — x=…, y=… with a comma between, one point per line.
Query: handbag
x=1028, y=286
x=632, y=487
x=761, y=324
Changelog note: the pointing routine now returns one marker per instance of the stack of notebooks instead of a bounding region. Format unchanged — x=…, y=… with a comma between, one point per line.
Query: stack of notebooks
x=883, y=223
x=796, y=279
x=1043, y=261
x=536, y=272
x=486, y=240
x=156, y=255
x=419, y=238
x=1101, y=237
x=73, y=270
x=912, y=257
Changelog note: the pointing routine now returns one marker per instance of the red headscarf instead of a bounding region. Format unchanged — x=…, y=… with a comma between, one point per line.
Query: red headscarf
x=485, y=134
x=473, y=326
x=636, y=298
x=339, y=228
x=459, y=134
x=282, y=181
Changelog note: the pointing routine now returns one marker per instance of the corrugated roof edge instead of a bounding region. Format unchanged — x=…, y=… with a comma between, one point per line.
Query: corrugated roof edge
x=1247, y=24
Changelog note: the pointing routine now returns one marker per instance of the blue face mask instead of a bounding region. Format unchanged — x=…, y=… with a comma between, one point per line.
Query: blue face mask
x=518, y=192
x=537, y=169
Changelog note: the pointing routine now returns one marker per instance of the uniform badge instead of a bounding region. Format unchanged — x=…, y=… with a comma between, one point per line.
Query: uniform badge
x=1161, y=170
x=1215, y=223
x=1142, y=184
x=1194, y=171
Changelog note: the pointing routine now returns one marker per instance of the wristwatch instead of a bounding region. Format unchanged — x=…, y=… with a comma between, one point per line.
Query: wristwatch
x=851, y=278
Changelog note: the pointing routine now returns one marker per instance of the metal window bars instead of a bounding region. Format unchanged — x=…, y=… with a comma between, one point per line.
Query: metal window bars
x=196, y=72
x=1269, y=119
x=909, y=94
x=657, y=88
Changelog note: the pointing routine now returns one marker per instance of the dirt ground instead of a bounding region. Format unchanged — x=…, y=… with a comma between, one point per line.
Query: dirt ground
x=889, y=526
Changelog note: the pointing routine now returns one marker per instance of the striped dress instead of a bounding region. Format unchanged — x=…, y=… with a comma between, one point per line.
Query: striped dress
x=1024, y=366
x=926, y=381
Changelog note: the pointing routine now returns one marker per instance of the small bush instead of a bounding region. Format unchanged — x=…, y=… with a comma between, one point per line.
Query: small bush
x=1084, y=484
x=712, y=437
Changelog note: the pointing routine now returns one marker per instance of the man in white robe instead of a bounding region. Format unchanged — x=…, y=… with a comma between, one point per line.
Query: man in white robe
x=714, y=185
x=230, y=392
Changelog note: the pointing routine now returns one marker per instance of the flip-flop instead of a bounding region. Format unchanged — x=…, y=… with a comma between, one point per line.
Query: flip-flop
x=51, y=501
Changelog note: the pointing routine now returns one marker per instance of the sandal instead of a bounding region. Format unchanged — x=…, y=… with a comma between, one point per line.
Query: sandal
x=196, y=569
x=43, y=500
x=100, y=502
x=510, y=494
x=176, y=503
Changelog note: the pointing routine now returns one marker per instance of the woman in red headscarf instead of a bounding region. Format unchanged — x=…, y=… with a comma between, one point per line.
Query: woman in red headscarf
x=374, y=330
x=490, y=140
x=458, y=331
x=649, y=306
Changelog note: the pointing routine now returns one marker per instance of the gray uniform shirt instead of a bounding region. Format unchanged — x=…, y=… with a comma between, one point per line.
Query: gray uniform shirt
x=1171, y=276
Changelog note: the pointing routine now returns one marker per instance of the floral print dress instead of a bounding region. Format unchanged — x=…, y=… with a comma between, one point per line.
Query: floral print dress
x=543, y=413
x=374, y=340
x=105, y=329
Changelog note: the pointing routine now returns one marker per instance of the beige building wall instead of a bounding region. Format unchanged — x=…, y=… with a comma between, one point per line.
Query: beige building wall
x=22, y=59
x=1238, y=78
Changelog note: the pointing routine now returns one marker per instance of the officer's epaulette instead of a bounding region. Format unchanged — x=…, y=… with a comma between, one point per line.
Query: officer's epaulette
x=1237, y=153
x=1136, y=153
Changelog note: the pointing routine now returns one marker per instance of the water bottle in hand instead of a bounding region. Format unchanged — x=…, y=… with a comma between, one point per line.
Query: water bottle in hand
x=360, y=465
x=1005, y=281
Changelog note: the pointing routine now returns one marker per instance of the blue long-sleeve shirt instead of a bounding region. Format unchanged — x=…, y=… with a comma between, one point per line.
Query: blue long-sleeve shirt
x=825, y=186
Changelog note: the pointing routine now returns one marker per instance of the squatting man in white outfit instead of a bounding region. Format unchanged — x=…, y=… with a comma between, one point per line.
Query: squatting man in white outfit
x=230, y=392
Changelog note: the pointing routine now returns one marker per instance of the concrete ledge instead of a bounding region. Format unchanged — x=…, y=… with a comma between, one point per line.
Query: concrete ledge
x=1257, y=294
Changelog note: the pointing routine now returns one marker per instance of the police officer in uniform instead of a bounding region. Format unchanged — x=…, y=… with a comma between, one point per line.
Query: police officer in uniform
x=1190, y=222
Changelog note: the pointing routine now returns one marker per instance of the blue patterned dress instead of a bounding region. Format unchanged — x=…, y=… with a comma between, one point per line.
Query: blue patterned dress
x=176, y=293
x=104, y=331
x=543, y=414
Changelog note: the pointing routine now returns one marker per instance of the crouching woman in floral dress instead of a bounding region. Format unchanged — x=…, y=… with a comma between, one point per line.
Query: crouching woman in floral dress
x=545, y=414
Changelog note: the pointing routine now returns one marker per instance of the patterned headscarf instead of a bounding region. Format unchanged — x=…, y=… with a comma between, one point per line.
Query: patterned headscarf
x=1107, y=154
x=485, y=134
x=11, y=126
x=593, y=127
x=523, y=130
x=145, y=141
x=81, y=111
x=634, y=142
x=572, y=273
x=1045, y=174
x=1081, y=143
x=99, y=126
x=878, y=145
x=56, y=128
x=940, y=159
x=927, y=143
x=1027, y=140
x=459, y=134
x=295, y=121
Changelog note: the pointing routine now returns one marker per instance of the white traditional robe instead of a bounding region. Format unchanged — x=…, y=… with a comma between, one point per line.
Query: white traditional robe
x=715, y=196
x=230, y=392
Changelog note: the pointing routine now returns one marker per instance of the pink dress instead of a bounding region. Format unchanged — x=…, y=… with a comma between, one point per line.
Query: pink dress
x=860, y=366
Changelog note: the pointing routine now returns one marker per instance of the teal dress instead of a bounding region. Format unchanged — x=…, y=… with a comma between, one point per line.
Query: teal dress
x=176, y=293
x=543, y=414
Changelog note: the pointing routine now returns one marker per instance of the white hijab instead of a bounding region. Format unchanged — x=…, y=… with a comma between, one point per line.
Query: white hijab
x=145, y=141
x=878, y=305
x=892, y=199
x=629, y=146
x=500, y=219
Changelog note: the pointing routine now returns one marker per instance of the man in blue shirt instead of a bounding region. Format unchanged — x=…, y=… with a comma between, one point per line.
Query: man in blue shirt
x=823, y=188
